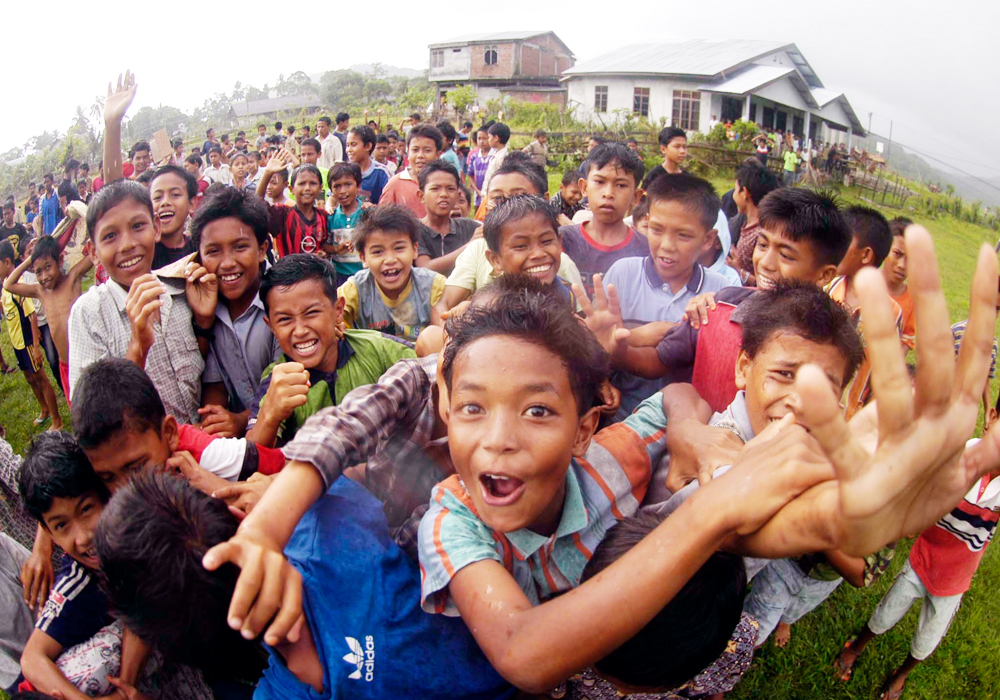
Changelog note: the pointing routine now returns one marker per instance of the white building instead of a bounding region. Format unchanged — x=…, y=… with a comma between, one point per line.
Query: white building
x=687, y=83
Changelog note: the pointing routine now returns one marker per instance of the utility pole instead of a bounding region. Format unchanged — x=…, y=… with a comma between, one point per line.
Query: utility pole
x=890, y=142
x=869, y=145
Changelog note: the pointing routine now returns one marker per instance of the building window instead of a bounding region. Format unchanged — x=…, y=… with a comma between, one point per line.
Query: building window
x=490, y=55
x=437, y=59
x=640, y=102
x=687, y=108
x=601, y=98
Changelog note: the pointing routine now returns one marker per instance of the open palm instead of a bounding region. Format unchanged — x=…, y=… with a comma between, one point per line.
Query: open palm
x=119, y=98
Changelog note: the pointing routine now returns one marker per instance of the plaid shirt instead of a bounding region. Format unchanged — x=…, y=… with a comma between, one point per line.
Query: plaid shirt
x=390, y=426
x=99, y=327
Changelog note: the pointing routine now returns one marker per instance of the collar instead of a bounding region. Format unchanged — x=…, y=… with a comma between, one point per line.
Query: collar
x=119, y=296
x=222, y=311
x=437, y=234
x=405, y=175
x=574, y=518
x=693, y=285
x=735, y=418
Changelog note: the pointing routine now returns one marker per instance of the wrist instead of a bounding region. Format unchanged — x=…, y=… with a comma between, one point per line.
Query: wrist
x=202, y=322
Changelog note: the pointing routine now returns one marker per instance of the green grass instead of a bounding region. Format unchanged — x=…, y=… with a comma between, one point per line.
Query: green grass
x=19, y=405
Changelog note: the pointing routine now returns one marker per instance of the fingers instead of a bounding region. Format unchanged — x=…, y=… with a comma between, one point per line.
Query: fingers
x=977, y=343
x=614, y=305
x=581, y=298
x=210, y=409
x=227, y=492
x=983, y=457
x=289, y=618
x=600, y=296
x=889, y=379
x=821, y=413
x=33, y=590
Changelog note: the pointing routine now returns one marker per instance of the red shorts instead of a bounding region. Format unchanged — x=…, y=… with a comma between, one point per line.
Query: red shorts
x=64, y=376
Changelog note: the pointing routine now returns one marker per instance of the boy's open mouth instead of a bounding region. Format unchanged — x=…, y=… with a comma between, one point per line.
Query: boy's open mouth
x=539, y=269
x=391, y=275
x=500, y=490
x=230, y=278
x=307, y=348
x=131, y=262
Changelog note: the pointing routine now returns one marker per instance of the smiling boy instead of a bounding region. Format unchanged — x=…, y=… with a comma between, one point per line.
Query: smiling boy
x=319, y=365
x=173, y=190
x=301, y=228
x=423, y=144
x=374, y=177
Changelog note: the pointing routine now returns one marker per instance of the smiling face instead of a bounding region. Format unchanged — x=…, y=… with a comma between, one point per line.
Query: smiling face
x=140, y=161
x=611, y=192
x=769, y=378
x=171, y=203
x=528, y=246
x=571, y=193
x=48, y=272
x=229, y=249
x=513, y=427
x=72, y=523
x=124, y=242
x=894, y=267
x=306, y=188
x=276, y=187
x=304, y=320
x=421, y=150
x=357, y=152
x=129, y=452
x=777, y=257
x=677, y=238
x=389, y=255
x=440, y=194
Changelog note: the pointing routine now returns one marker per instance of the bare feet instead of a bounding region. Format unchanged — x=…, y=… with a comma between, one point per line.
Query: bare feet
x=844, y=663
x=894, y=688
x=782, y=635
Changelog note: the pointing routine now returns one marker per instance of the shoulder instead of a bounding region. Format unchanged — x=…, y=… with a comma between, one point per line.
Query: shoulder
x=570, y=232
x=363, y=340
x=625, y=266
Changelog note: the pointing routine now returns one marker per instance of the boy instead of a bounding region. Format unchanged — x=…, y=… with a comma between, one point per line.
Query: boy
x=390, y=295
x=752, y=185
x=10, y=230
x=499, y=136
x=448, y=153
x=538, y=150
x=343, y=124
x=217, y=171
x=478, y=163
x=311, y=152
x=423, y=145
x=56, y=289
x=238, y=165
x=673, y=148
x=276, y=191
x=331, y=149
x=894, y=272
x=360, y=146
x=871, y=241
x=612, y=175
x=791, y=159
x=568, y=199
x=381, y=154
x=345, y=182
x=442, y=236
x=261, y=136
x=25, y=339
x=319, y=367
x=172, y=190
x=230, y=234
x=140, y=159
x=192, y=166
x=300, y=228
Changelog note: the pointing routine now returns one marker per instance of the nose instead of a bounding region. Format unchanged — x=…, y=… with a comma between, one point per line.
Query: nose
x=301, y=329
x=500, y=433
x=82, y=539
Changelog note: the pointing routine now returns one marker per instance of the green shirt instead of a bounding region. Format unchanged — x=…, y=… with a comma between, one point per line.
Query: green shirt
x=791, y=160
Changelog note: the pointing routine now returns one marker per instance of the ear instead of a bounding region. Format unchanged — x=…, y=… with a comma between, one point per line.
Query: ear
x=582, y=184
x=663, y=150
x=825, y=275
x=637, y=197
x=710, y=238
x=585, y=431
x=743, y=363
x=867, y=256
x=338, y=308
x=171, y=432
x=494, y=260
x=420, y=195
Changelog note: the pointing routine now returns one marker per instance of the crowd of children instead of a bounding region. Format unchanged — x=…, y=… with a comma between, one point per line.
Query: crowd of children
x=341, y=429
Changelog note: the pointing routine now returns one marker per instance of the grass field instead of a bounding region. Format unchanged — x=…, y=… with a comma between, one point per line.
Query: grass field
x=963, y=665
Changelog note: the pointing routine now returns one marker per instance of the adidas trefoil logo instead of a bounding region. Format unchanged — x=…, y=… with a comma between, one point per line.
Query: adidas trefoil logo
x=362, y=659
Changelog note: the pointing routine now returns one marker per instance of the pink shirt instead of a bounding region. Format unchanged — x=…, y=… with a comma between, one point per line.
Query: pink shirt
x=402, y=188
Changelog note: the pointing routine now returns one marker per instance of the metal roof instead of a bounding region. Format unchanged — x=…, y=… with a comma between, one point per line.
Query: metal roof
x=275, y=104
x=824, y=97
x=700, y=57
x=490, y=36
x=753, y=78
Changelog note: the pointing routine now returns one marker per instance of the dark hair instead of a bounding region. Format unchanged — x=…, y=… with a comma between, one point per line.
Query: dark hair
x=540, y=132
x=151, y=539
x=114, y=395
x=521, y=164
x=325, y=120
x=231, y=202
x=209, y=130
x=540, y=319
x=55, y=467
x=692, y=192
x=48, y=176
x=296, y=268
x=290, y=129
x=308, y=168
x=277, y=126
x=83, y=182
x=631, y=139
x=85, y=166
x=806, y=311
x=342, y=170
x=670, y=133
x=224, y=138
x=426, y=131
x=194, y=158
x=176, y=142
x=514, y=209
x=437, y=166
x=501, y=131
x=215, y=149
x=367, y=136
x=598, y=139
x=570, y=177
x=262, y=124
x=385, y=217
x=312, y=142
x=71, y=164
x=758, y=181
x=416, y=115
x=146, y=178
x=46, y=246
x=113, y=194
x=141, y=146
x=871, y=230
x=341, y=116
x=281, y=175
x=238, y=154
x=691, y=631
x=447, y=130
x=189, y=182
x=381, y=138
x=466, y=124
x=618, y=155
x=800, y=213
x=641, y=210
x=898, y=225
x=7, y=250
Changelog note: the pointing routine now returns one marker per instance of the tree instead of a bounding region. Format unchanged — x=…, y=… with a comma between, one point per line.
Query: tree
x=238, y=94
x=252, y=93
x=461, y=98
x=949, y=190
x=342, y=88
x=298, y=83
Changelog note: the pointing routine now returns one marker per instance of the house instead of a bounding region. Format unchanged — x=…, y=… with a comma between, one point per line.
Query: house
x=687, y=83
x=524, y=65
x=273, y=105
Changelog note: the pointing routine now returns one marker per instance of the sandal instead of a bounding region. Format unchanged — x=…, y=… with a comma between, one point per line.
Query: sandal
x=844, y=673
x=40, y=420
x=9, y=369
x=888, y=694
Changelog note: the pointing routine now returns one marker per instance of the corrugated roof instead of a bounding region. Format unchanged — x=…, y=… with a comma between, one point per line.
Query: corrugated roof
x=490, y=36
x=275, y=104
x=696, y=57
x=752, y=78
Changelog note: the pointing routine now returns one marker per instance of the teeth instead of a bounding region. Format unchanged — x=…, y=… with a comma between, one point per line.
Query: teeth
x=498, y=477
x=232, y=278
x=130, y=263
x=539, y=268
x=306, y=346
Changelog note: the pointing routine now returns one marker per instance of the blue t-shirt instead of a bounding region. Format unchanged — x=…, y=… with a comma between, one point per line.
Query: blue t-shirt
x=362, y=602
x=77, y=609
x=50, y=211
x=373, y=181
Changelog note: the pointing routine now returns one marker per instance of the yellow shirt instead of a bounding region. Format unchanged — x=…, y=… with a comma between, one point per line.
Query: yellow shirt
x=16, y=312
x=400, y=316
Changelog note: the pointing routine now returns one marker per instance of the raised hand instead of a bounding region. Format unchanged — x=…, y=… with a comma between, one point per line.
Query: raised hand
x=119, y=98
x=143, y=306
x=603, y=316
x=202, y=291
x=277, y=162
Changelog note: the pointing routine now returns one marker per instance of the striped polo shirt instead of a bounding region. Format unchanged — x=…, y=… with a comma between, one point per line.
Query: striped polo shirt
x=605, y=486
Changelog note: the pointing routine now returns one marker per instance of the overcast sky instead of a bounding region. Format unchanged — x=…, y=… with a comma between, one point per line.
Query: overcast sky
x=933, y=71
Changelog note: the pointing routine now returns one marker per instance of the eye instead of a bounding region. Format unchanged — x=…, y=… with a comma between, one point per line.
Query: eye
x=471, y=409
x=539, y=411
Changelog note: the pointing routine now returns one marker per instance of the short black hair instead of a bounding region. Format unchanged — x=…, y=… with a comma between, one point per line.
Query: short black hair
x=758, y=181
x=514, y=209
x=871, y=230
x=151, y=539
x=800, y=213
x=692, y=192
x=146, y=179
x=7, y=250
x=46, y=246
x=231, y=202
x=56, y=467
x=308, y=168
x=691, y=631
x=194, y=158
x=299, y=267
x=111, y=396
x=224, y=138
x=447, y=130
x=521, y=164
x=215, y=149
x=641, y=210
x=385, y=217
x=614, y=154
x=570, y=177
x=416, y=115
x=189, y=182
x=113, y=194
x=367, y=136
x=598, y=139
x=341, y=170
x=314, y=143
x=898, y=225
x=437, y=166
x=804, y=310
x=540, y=132
x=342, y=116
x=541, y=319
x=209, y=130
x=141, y=146
x=426, y=131
x=381, y=138
x=325, y=120
x=71, y=164
x=277, y=125
x=501, y=131
x=670, y=133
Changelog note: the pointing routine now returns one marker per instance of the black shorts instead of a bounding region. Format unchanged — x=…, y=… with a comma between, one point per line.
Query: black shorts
x=26, y=361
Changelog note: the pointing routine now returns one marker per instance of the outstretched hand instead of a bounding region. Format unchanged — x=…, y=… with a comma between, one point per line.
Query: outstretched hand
x=119, y=98
x=604, y=315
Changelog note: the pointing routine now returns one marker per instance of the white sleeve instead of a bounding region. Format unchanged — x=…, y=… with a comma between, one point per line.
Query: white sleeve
x=224, y=457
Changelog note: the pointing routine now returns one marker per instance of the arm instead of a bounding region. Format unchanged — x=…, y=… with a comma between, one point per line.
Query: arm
x=277, y=163
x=445, y=264
x=115, y=106
x=81, y=268
x=696, y=449
x=39, y=667
x=135, y=653
x=453, y=296
x=288, y=389
x=36, y=573
x=648, y=335
x=851, y=568
x=24, y=290
x=36, y=340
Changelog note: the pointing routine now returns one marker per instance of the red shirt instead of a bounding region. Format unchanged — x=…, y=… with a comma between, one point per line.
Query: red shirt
x=229, y=457
x=402, y=188
x=293, y=232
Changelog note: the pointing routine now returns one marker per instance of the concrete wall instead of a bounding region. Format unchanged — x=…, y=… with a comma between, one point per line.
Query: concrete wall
x=457, y=64
x=503, y=68
x=785, y=92
x=621, y=92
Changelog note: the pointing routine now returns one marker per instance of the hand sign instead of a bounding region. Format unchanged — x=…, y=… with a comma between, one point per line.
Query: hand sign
x=120, y=98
